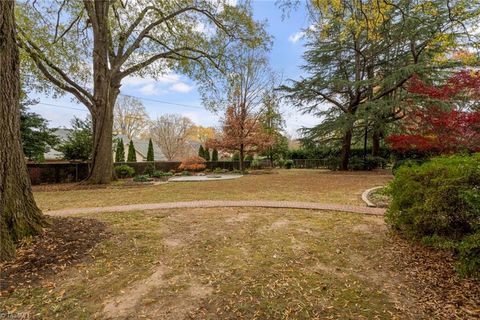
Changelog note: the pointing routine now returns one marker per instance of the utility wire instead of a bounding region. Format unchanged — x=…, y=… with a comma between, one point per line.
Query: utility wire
x=165, y=102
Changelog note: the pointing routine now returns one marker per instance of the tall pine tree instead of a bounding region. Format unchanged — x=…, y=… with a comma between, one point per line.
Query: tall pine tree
x=131, y=157
x=201, y=152
x=215, y=155
x=120, y=153
x=150, y=155
x=206, y=152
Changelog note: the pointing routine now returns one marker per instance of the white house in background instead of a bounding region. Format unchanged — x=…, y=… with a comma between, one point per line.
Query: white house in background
x=55, y=155
x=141, y=149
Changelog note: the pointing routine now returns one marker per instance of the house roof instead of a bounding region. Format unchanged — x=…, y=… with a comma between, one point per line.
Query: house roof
x=62, y=135
x=141, y=147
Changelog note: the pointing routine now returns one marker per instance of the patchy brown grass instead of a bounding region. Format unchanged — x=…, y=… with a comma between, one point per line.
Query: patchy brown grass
x=248, y=263
x=295, y=185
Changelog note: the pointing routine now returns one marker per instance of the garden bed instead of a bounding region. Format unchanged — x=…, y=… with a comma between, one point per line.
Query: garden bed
x=380, y=197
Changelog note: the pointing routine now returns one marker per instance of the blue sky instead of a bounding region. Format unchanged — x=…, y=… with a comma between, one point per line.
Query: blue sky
x=158, y=95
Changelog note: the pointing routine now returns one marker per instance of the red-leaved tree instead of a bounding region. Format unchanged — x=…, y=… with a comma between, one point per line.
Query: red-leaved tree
x=436, y=129
x=242, y=132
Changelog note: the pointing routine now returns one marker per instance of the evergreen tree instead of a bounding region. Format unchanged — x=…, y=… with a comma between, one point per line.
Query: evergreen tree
x=207, y=154
x=37, y=138
x=201, y=152
x=150, y=156
x=215, y=155
x=357, y=64
x=79, y=142
x=120, y=153
x=131, y=157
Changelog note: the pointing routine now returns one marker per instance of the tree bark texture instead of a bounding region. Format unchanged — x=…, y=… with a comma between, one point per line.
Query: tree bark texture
x=376, y=143
x=105, y=94
x=19, y=215
x=346, y=146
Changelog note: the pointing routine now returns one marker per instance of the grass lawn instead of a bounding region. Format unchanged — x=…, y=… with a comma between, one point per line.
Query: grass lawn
x=249, y=263
x=295, y=185
x=232, y=263
x=226, y=263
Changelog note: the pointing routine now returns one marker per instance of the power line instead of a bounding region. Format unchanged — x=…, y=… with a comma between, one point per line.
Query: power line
x=165, y=102
x=59, y=106
x=126, y=95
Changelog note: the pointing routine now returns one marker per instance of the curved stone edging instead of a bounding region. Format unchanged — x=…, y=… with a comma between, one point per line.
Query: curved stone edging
x=221, y=203
x=365, y=195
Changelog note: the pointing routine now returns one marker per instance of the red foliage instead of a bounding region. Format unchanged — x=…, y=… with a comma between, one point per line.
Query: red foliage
x=193, y=164
x=240, y=129
x=464, y=82
x=435, y=130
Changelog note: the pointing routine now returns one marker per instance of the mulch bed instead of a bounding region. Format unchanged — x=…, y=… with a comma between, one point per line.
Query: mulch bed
x=431, y=279
x=66, y=242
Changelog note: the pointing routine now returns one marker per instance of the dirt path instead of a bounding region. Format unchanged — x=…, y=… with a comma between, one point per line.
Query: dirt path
x=217, y=203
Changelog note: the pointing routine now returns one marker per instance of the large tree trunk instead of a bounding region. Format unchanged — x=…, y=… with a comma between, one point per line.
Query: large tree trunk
x=101, y=170
x=346, y=146
x=105, y=94
x=19, y=215
x=376, y=143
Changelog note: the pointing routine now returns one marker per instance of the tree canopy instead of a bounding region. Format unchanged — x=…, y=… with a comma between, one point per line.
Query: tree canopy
x=86, y=48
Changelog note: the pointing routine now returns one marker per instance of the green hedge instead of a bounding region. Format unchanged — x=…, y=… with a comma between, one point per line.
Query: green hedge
x=438, y=202
x=124, y=171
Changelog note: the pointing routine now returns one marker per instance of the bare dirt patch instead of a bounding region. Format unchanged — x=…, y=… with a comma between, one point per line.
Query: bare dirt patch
x=64, y=243
x=123, y=305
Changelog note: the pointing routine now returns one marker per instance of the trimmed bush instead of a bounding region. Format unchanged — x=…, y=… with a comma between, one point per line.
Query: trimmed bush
x=192, y=164
x=288, y=164
x=280, y=163
x=332, y=163
x=255, y=164
x=438, y=202
x=149, y=169
x=124, y=171
x=141, y=178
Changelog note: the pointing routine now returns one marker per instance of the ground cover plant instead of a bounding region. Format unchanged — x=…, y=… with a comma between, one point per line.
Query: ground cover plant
x=233, y=263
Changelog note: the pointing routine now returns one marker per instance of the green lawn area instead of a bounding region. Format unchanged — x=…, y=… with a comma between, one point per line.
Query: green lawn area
x=236, y=263
x=294, y=185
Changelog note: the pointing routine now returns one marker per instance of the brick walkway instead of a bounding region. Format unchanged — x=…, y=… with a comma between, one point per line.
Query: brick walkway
x=219, y=203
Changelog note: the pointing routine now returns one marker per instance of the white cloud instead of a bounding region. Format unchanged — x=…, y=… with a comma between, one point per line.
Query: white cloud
x=137, y=81
x=169, y=78
x=180, y=87
x=293, y=38
x=149, y=89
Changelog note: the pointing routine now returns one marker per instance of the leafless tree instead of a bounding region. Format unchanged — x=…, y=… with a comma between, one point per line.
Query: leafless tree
x=170, y=132
x=129, y=117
